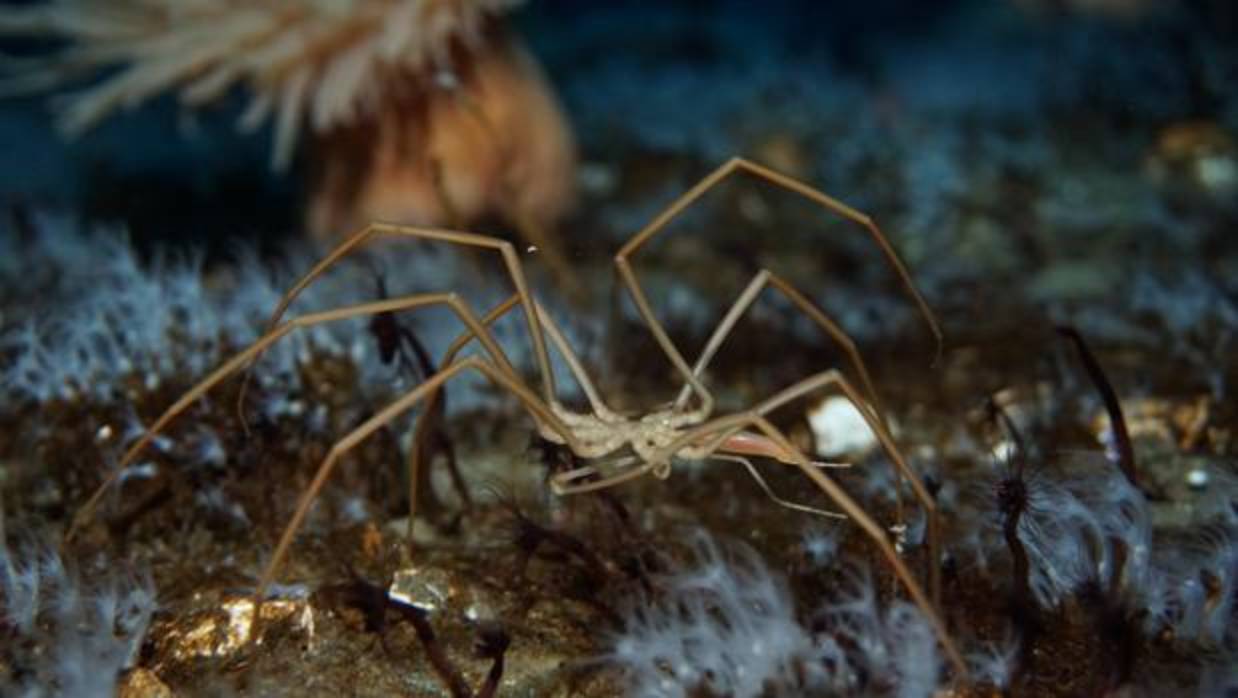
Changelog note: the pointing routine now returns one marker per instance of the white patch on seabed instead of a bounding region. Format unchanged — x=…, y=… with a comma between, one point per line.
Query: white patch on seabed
x=839, y=429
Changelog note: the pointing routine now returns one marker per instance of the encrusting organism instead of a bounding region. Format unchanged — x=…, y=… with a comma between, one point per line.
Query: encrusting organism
x=721, y=622
x=617, y=448
x=416, y=111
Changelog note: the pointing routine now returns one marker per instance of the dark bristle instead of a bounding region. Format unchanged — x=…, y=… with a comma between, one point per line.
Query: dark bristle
x=1117, y=422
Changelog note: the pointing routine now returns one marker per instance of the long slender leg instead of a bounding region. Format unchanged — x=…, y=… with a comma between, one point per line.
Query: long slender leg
x=930, y=608
x=577, y=367
x=688, y=198
x=579, y=480
x=734, y=423
x=591, y=475
x=499, y=376
x=570, y=357
x=422, y=427
x=717, y=430
x=250, y=353
x=767, y=279
x=421, y=431
x=399, y=342
x=712, y=435
x=374, y=230
x=769, y=491
x=582, y=480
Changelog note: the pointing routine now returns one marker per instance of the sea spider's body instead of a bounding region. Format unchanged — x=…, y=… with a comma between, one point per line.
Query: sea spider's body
x=616, y=448
x=600, y=436
x=651, y=436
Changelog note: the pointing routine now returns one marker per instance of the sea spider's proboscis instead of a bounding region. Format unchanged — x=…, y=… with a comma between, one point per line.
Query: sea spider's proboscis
x=617, y=448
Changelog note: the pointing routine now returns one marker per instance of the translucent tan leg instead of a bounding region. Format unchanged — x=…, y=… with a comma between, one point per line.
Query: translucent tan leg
x=574, y=363
x=245, y=357
x=568, y=483
x=423, y=422
x=769, y=491
x=585, y=475
x=369, y=232
x=406, y=402
x=930, y=608
x=575, y=481
x=688, y=198
x=577, y=367
x=759, y=282
x=766, y=278
x=716, y=431
x=833, y=378
x=709, y=437
x=565, y=483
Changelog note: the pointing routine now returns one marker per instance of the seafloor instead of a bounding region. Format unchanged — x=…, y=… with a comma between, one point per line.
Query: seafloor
x=1044, y=174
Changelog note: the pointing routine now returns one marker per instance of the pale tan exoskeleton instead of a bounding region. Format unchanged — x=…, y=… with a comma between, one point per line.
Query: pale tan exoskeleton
x=618, y=447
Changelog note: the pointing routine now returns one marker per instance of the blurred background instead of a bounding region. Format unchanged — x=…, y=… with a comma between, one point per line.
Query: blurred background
x=1103, y=118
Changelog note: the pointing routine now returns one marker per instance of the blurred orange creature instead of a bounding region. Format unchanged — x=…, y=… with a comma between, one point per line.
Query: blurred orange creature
x=417, y=111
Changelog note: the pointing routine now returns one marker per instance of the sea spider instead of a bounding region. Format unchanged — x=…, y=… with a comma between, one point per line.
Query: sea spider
x=616, y=447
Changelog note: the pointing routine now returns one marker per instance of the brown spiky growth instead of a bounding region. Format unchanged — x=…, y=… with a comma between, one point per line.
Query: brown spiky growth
x=423, y=111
